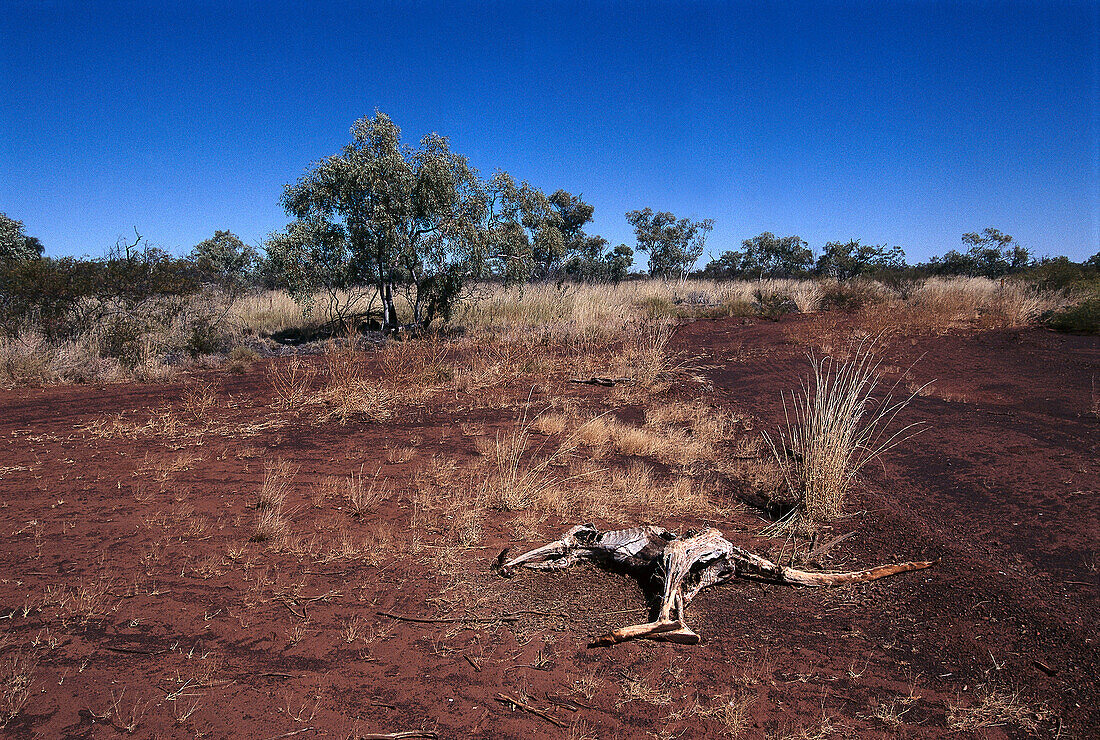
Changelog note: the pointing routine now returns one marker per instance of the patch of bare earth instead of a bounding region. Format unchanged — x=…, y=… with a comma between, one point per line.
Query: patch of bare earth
x=243, y=555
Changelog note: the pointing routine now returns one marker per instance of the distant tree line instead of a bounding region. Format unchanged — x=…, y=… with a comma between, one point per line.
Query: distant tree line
x=381, y=219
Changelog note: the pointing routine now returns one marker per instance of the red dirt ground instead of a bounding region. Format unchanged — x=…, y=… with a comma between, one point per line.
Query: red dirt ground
x=127, y=578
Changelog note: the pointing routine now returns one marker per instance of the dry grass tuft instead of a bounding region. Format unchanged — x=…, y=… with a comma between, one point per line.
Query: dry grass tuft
x=290, y=381
x=649, y=356
x=517, y=482
x=363, y=498
x=834, y=427
x=997, y=708
x=346, y=393
x=271, y=519
x=16, y=680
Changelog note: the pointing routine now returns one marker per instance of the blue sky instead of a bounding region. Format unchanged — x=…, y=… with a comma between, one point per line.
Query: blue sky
x=905, y=123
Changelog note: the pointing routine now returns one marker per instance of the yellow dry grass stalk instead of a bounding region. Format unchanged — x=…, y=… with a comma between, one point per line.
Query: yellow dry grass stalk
x=518, y=481
x=17, y=671
x=346, y=393
x=996, y=708
x=833, y=427
x=290, y=382
x=272, y=524
x=364, y=498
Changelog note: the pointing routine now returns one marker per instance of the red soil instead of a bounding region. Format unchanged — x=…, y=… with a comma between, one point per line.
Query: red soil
x=134, y=587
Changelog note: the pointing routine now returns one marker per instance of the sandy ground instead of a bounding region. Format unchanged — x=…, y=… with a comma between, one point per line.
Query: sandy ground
x=132, y=595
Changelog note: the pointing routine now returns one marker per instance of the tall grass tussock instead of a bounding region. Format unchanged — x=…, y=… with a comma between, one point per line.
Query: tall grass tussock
x=833, y=426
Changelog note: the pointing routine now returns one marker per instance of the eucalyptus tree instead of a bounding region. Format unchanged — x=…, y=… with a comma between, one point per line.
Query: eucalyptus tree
x=15, y=245
x=417, y=220
x=844, y=260
x=768, y=254
x=673, y=245
x=224, y=259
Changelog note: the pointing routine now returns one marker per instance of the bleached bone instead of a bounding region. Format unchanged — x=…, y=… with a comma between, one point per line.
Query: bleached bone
x=685, y=565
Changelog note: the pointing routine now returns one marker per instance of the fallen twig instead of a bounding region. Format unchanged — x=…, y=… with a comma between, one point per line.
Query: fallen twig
x=448, y=620
x=474, y=663
x=292, y=733
x=398, y=735
x=286, y=602
x=505, y=699
x=822, y=549
x=605, y=382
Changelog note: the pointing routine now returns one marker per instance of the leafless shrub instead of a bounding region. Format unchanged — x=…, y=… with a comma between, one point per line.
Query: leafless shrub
x=199, y=400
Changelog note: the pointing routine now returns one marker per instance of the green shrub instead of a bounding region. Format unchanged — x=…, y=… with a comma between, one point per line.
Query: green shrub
x=657, y=307
x=772, y=304
x=1084, y=318
x=849, y=295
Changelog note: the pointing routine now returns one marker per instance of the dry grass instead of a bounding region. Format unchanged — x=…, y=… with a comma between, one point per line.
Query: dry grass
x=347, y=393
x=996, y=708
x=834, y=426
x=518, y=482
x=16, y=681
x=272, y=524
x=290, y=382
x=363, y=498
x=29, y=359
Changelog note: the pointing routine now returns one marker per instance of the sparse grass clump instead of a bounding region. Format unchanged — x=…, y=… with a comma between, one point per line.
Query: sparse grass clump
x=290, y=382
x=364, y=497
x=16, y=679
x=833, y=427
x=996, y=708
x=271, y=520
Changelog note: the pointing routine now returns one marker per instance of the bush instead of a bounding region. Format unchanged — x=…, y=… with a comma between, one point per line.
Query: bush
x=1084, y=318
x=850, y=295
x=774, y=303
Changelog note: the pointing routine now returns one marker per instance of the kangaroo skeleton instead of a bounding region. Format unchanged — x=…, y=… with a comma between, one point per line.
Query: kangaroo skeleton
x=683, y=564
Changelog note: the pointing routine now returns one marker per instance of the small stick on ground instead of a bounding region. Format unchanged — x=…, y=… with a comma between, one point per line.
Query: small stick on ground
x=822, y=549
x=448, y=620
x=398, y=735
x=505, y=699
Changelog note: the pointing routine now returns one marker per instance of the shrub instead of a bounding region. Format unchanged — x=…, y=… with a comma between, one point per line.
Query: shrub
x=850, y=295
x=774, y=303
x=1084, y=318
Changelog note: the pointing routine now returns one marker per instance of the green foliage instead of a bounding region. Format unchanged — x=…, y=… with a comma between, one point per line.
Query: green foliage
x=414, y=219
x=673, y=245
x=67, y=296
x=16, y=246
x=224, y=259
x=768, y=255
x=771, y=304
x=991, y=253
x=593, y=263
x=1084, y=318
x=845, y=260
x=726, y=267
x=847, y=296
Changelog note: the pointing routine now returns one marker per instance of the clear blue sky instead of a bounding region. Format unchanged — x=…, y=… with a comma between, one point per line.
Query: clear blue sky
x=905, y=123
